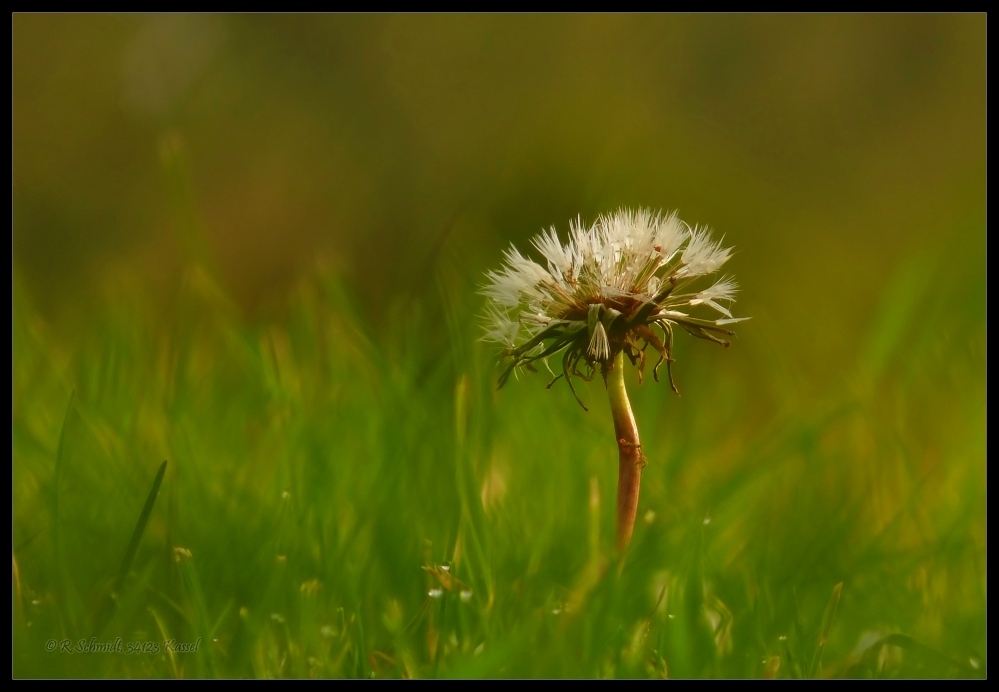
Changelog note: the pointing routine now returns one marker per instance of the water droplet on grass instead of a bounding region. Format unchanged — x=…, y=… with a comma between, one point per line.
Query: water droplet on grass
x=435, y=593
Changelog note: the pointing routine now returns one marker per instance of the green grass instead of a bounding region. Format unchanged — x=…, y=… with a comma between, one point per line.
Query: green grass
x=345, y=498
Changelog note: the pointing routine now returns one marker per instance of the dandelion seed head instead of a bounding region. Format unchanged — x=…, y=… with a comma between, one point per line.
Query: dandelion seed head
x=619, y=284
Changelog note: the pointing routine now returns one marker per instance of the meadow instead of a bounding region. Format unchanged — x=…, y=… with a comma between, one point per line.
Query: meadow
x=332, y=485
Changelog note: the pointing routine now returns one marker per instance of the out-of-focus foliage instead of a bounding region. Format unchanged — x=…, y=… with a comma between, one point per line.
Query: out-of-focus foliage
x=251, y=245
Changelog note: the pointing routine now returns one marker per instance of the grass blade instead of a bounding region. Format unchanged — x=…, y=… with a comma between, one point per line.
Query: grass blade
x=140, y=527
x=827, y=618
x=68, y=593
x=107, y=611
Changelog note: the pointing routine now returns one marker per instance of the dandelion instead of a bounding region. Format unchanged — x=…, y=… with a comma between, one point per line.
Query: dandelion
x=614, y=289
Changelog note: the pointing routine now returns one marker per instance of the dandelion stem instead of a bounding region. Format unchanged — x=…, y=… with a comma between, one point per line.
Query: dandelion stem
x=632, y=461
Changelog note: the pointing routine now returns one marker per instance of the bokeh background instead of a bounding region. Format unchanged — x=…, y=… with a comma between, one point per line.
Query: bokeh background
x=843, y=156
x=827, y=149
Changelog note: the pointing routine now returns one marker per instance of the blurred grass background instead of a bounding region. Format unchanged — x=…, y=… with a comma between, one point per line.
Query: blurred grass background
x=250, y=245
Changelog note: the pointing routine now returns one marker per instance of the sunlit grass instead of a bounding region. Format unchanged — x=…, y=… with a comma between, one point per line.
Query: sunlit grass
x=356, y=500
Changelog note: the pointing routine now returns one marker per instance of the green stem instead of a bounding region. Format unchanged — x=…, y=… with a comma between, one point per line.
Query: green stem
x=631, y=459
